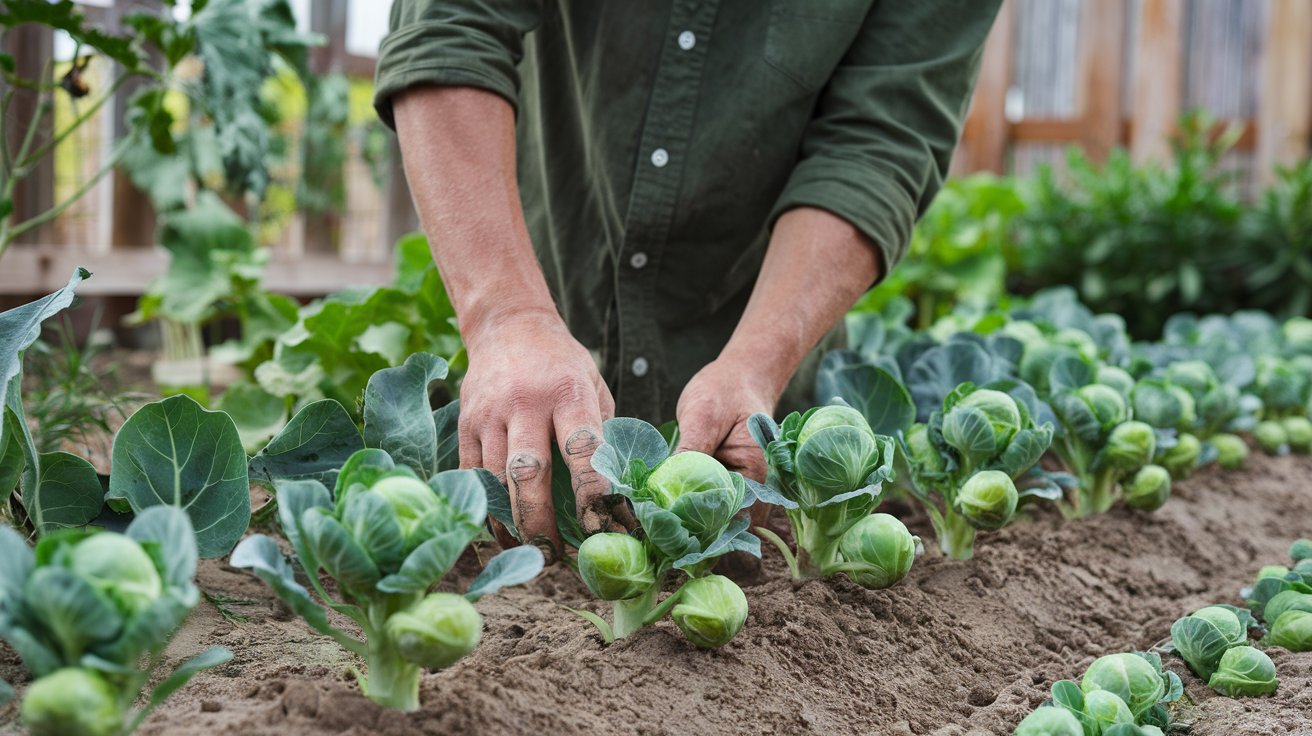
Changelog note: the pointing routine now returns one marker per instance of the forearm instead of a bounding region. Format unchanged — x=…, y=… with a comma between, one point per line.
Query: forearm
x=458, y=148
x=816, y=267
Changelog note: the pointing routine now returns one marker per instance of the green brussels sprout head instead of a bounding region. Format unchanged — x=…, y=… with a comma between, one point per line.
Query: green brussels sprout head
x=999, y=408
x=1297, y=332
x=1226, y=622
x=711, y=611
x=1299, y=432
x=1129, y=676
x=411, y=499
x=1188, y=408
x=1292, y=630
x=836, y=453
x=1286, y=600
x=1244, y=671
x=1272, y=571
x=1130, y=446
x=1271, y=437
x=921, y=451
x=1181, y=459
x=1106, y=405
x=1149, y=489
x=988, y=499
x=437, y=631
x=686, y=473
x=72, y=700
x=1079, y=340
x=1106, y=709
x=1231, y=450
x=615, y=567
x=1301, y=550
x=1193, y=375
x=1050, y=721
x=1117, y=378
x=882, y=546
x=117, y=566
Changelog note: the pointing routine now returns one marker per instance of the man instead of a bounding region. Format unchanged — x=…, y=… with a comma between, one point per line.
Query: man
x=659, y=208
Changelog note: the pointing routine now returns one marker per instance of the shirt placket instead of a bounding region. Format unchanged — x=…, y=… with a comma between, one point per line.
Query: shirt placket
x=662, y=159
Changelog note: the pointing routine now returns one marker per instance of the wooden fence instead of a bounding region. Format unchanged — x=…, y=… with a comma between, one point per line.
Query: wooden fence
x=1094, y=73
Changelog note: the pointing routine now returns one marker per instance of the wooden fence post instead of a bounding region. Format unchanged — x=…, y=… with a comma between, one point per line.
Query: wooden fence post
x=32, y=47
x=1284, y=118
x=132, y=216
x=322, y=230
x=1158, y=80
x=1101, y=66
x=985, y=136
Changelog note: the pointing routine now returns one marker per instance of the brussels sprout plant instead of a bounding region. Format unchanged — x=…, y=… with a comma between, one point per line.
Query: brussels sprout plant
x=1127, y=691
x=689, y=509
x=965, y=463
x=90, y=613
x=387, y=537
x=828, y=468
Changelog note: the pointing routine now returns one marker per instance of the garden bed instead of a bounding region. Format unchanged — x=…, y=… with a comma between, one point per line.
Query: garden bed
x=956, y=648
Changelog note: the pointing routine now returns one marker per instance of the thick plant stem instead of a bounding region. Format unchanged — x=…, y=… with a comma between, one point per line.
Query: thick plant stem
x=816, y=551
x=956, y=537
x=1099, y=496
x=392, y=682
x=631, y=614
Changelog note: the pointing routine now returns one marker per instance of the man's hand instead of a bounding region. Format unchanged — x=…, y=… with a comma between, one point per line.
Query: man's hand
x=529, y=383
x=713, y=411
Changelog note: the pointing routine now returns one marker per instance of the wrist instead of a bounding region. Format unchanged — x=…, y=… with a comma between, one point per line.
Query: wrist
x=766, y=370
x=481, y=326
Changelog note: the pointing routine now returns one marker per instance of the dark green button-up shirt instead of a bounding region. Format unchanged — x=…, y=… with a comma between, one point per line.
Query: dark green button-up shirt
x=658, y=141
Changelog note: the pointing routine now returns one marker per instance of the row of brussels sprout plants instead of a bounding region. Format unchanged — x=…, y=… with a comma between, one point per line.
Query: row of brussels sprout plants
x=1127, y=694
x=975, y=419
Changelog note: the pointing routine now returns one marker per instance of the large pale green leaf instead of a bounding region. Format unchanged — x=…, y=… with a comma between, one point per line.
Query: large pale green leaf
x=428, y=563
x=938, y=371
x=314, y=445
x=176, y=453
x=397, y=414
x=67, y=493
x=880, y=397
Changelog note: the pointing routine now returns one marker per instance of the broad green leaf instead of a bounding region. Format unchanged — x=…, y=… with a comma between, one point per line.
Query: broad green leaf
x=207, y=242
x=627, y=440
x=170, y=528
x=1201, y=644
x=397, y=415
x=446, y=420
x=498, y=501
x=176, y=453
x=514, y=566
x=258, y=414
x=880, y=397
x=373, y=525
x=665, y=530
x=294, y=498
x=67, y=493
x=70, y=608
x=261, y=555
x=413, y=261
x=16, y=563
x=1155, y=404
x=338, y=552
x=938, y=371
x=314, y=445
x=12, y=456
x=361, y=471
x=564, y=502
x=142, y=633
x=1069, y=372
x=464, y=490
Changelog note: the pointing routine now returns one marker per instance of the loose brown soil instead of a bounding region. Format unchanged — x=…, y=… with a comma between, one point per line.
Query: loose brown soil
x=957, y=648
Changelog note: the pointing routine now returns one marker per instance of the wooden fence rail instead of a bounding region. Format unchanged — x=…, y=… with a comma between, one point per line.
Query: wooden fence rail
x=1093, y=73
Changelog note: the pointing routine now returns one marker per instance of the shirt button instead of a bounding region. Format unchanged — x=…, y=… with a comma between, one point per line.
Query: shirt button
x=660, y=157
x=638, y=260
x=687, y=40
x=640, y=367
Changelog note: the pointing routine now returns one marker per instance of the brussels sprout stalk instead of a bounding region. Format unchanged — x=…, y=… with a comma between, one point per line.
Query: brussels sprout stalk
x=689, y=508
x=387, y=538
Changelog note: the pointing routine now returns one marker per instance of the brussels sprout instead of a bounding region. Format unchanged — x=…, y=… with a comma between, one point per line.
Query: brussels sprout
x=1192, y=375
x=1271, y=571
x=1106, y=709
x=1181, y=459
x=1050, y=721
x=72, y=701
x=1297, y=332
x=1292, y=630
x=1286, y=600
x=711, y=611
x=1001, y=411
x=1130, y=677
x=1117, y=378
x=1301, y=550
x=412, y=501
x=119, y=568
x=615, y=567
x=1188, y=408
x=1130, y=446
x=1299, y=432
x=437, y=631
x=1271, y=437
x=988, y=499
x=1244, y=671
x=878, y=551
x=1149, y=489
x=836, y=459
x=1204, y=636
x=1105, y=405
x=1231, y=450
x=686, y=473
x=825, y=417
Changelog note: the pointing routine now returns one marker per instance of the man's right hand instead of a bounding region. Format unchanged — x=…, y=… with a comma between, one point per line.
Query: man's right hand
x=529, y=383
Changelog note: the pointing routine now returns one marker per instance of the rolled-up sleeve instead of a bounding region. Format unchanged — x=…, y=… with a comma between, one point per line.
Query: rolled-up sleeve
x=475, y=43
x=884, y=128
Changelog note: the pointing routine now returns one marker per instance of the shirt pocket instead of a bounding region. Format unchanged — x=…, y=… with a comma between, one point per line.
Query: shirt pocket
x=806, y=39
